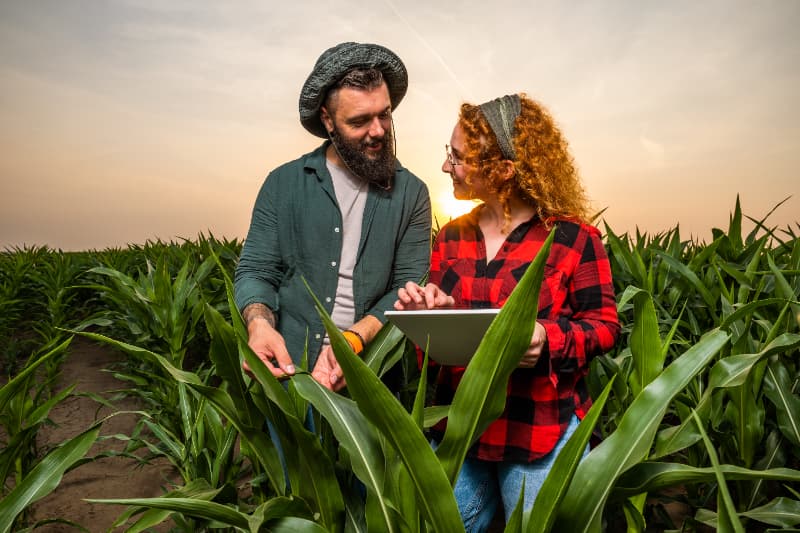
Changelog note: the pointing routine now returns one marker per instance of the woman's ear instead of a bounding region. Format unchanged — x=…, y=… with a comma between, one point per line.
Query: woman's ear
x=508, y=170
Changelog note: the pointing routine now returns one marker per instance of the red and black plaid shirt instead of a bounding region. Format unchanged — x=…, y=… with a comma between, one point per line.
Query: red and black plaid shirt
x=576, y=308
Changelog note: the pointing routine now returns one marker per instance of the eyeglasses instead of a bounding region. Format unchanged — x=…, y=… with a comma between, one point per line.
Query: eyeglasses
x=454, y=162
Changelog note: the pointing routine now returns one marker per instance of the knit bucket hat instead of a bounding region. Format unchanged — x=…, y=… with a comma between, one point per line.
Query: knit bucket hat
x=337, y=61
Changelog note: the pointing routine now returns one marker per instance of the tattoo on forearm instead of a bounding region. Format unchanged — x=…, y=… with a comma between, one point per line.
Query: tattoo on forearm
x=253, y=311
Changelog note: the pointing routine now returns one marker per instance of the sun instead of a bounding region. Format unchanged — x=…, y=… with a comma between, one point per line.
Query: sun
x=446, y=207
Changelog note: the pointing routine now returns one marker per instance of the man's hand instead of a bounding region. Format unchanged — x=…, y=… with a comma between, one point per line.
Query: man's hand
x=266, y=342
x=327, y=371
x=413, y=296
x=538, y=339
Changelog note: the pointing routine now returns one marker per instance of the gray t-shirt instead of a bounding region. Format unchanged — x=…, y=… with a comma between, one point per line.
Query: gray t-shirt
x=351, y=194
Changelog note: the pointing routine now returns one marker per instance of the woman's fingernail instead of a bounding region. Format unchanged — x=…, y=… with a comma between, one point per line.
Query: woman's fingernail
x=290, y=369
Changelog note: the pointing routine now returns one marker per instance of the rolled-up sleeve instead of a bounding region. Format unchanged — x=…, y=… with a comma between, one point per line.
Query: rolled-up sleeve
x=260, y=268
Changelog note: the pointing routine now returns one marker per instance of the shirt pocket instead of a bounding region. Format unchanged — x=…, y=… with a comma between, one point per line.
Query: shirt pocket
x=453, y=272
x=553, y=284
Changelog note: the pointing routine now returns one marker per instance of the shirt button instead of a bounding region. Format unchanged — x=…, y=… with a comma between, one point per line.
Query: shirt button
x=328, y=299
x=336, y=230
x=333, y=263
x=317, y=336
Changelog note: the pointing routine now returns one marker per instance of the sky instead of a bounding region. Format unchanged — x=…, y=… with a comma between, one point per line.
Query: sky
x=123, y=121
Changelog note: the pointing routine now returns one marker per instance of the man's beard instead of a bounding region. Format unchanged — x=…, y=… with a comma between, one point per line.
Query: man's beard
x=379, y=170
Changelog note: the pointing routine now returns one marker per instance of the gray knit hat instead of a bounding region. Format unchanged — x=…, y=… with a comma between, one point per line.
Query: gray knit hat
x=337, y=61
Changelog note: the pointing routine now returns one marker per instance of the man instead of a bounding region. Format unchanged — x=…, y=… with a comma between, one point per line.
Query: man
x=347, y=218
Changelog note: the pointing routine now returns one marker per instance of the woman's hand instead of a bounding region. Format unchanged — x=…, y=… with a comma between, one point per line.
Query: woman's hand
x=533, y=352
x=413, y=297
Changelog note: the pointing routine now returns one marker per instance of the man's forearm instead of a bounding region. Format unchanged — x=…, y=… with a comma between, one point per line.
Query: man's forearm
x=258, y=311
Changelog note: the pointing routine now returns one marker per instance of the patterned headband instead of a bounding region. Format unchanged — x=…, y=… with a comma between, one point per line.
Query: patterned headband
x=501, y=114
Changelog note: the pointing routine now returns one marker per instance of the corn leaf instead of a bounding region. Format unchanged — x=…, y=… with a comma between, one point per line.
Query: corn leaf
x=433, y=491
x=651, y=476
x=355, y=435
x=190, y=506
x=727, y=519
x=691, y=277
x=645, y=342
x=781, y=512
x=582, y=507
x=782, y=392
x=45, y=476
x=18, y=382
x=543, y=514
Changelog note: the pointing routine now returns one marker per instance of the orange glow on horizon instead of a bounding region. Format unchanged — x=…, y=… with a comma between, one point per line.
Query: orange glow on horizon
x=446, y=207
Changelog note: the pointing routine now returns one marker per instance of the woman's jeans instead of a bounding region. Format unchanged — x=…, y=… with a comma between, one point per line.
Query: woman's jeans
x=481, y=484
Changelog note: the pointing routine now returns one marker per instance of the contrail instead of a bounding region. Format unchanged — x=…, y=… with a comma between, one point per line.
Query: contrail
x=436, y=54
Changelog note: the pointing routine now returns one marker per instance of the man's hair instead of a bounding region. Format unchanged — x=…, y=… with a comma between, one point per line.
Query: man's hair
x=365, y=79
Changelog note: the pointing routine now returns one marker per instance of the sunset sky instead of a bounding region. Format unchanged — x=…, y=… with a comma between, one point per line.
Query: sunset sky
x=128, y=120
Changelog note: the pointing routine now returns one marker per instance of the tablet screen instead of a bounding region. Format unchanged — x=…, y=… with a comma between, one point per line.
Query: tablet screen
x=454, y=333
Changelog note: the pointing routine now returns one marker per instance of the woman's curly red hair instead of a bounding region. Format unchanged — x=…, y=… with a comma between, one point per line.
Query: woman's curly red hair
x=545, y=174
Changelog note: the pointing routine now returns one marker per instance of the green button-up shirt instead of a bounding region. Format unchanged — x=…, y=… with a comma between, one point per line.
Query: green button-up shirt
x=296, y=233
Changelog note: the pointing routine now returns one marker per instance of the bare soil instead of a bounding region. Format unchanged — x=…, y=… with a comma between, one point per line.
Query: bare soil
x=109, y=477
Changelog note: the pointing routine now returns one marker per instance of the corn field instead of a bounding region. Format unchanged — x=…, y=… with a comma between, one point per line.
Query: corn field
x=698, y=403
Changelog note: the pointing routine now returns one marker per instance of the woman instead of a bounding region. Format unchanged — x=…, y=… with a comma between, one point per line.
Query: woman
x=509, y=155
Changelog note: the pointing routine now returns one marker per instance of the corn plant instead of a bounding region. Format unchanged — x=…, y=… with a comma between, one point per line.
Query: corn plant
x=747, y=287
x=701, y=397
x=25, y=403
x=19, y=307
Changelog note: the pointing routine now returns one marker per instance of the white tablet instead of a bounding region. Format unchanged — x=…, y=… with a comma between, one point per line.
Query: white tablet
x=454, y=333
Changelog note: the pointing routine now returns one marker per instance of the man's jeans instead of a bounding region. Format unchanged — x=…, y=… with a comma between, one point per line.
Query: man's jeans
x=481, y=484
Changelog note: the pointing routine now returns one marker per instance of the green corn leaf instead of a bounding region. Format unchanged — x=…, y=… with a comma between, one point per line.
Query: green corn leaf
x=735, y=228
x=779, y=388
x=434, y=414
x=581, y=509
x=732, y=371
x=262, y=445
x=517, y=521
x=746, y=415
x=633, y=261
x=691, y=277
x=705, y=255
x=41, y=412
x=418, y=411
x=727, y=518
x=19, y=382
x=278, y=514
x=728, y=372
x=653, y=476
x=543, y=514
x=292, y=525
x=434, y=493
x=197, y=489
x=45, y=476
x=385, y=349
x=748, y=310
x=645, y=342
x=224, y=353
x=782, y=285
x=781, y=512
x=313, y=480
x=189, y=506
x=355, y=435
